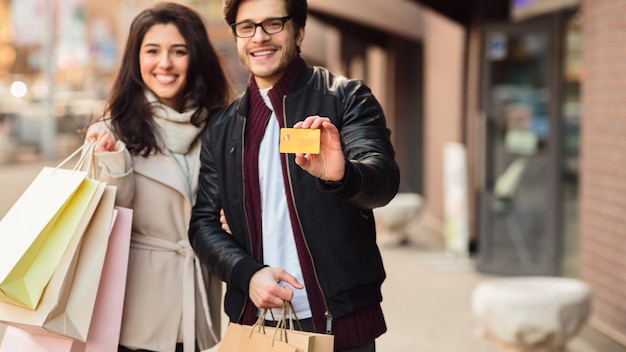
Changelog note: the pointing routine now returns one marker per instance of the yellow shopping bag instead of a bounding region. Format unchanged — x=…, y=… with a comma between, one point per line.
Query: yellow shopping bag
x=36, y=231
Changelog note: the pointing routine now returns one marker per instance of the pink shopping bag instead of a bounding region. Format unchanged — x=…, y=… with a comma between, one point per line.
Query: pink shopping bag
x=18, y=340
x=104, y=332
x=106, y=321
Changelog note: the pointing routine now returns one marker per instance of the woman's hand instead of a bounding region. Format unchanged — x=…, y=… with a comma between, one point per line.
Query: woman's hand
x=223, y=221
x=104, y=141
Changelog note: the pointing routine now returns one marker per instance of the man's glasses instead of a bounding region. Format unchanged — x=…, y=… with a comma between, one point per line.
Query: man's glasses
x=247, y=29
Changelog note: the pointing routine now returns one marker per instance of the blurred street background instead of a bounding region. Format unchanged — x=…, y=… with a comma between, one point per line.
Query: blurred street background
x=506, y=115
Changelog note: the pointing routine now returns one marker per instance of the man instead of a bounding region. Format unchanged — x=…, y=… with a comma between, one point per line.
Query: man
x=302, y=224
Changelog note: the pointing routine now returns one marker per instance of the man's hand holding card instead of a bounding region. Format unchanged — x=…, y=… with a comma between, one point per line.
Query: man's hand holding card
x=318, y=151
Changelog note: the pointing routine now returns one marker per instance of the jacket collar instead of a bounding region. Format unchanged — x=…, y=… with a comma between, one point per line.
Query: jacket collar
x=302, y=75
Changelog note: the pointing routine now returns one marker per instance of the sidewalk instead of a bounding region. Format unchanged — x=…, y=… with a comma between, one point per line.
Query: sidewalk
x=427, y=297
x=427, y=304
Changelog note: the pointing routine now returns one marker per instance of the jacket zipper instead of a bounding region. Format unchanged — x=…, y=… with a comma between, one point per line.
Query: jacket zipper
x=327, y=314
x=329, y=321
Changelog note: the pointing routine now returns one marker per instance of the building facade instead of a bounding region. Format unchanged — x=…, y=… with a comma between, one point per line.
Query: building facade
x=531, y=89
x=544, y=133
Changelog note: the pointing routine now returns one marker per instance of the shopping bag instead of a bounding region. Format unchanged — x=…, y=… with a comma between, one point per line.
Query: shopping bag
x=106, y=321
x=75, y=318
x=291, y=333
x=33, y=234
x=260, y=338
x=18, y=340
x=57, y=312
x=245, y=338
x=36, y=231
x=305, y=341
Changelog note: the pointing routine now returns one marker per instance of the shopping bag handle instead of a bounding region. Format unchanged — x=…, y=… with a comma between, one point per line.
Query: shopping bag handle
x=86, y=161
x=259, y=326
x=291, y=313
x=288, y=314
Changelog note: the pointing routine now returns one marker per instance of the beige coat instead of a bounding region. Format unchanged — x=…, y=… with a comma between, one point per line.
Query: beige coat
x=163, y=270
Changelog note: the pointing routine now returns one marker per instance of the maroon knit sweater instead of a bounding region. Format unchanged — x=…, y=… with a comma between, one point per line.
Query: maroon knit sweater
x=355, y=330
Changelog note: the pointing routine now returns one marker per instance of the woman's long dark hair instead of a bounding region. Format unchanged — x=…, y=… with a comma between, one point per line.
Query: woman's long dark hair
x=206, y=88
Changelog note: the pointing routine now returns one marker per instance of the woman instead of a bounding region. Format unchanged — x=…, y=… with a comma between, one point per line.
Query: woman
x=170, y=82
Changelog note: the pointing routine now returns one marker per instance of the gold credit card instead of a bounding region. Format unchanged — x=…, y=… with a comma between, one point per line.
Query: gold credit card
x=300, y=140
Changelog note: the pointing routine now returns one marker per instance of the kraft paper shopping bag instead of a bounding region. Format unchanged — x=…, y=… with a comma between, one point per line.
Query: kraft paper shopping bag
x=245, y=338
x=26, y=228
x=249, y=338
x=305, y=341
x=54, y=306
x=287, y=329
x=107, y=317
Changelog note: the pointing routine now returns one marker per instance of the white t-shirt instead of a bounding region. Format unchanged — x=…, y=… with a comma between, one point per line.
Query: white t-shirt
x=279, y=247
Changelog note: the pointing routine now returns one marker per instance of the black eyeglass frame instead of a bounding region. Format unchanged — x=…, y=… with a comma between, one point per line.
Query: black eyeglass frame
x=283, y=20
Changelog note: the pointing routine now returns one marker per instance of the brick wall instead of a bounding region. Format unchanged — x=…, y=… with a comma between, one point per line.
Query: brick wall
x=603, y=161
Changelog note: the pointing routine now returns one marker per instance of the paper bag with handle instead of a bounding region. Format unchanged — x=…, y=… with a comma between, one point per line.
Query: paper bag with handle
x=261, y=338
x=36, y=232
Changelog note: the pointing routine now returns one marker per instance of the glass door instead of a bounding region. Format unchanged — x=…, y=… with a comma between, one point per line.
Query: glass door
x=518, y=214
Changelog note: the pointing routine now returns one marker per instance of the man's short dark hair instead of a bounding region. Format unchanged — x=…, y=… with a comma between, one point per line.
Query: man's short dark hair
x=297, y=9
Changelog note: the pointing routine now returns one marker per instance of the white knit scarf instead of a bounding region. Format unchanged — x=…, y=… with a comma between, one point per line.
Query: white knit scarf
x=177, y=131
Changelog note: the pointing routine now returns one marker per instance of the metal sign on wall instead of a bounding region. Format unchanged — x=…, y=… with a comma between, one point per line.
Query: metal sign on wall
x=525, y=9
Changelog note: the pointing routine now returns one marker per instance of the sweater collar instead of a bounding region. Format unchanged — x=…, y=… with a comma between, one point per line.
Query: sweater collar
x=284, y=83
x=281, y=88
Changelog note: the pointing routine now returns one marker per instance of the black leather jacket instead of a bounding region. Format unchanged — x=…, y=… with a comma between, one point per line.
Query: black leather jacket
x=336, y=219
